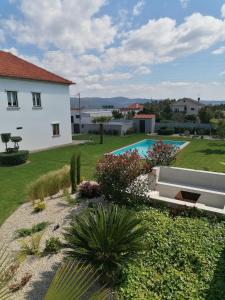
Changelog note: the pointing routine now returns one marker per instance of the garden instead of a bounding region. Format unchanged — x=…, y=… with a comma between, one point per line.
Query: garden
x=106, y=239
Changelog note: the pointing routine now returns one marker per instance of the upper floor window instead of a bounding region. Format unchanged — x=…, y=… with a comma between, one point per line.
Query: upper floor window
x=12, y=99
x=36, y=99
x=192, y=108
x=72, y=119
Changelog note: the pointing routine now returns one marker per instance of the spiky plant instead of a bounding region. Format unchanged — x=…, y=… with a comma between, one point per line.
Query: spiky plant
x=104, y=238
x=73, y=281
x=8, y=266
x=73, y=171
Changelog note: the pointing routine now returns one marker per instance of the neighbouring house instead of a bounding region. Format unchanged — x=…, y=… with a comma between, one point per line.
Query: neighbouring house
x=85, y=117
x=187, y=105
x=83, y=122
x=35, y=104
x=144, y=123
x=135, y=107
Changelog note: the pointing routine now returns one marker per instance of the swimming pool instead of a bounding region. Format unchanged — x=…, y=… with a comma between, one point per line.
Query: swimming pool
x=143, y=146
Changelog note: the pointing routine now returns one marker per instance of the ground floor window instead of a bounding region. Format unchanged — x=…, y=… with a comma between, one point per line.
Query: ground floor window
x=55, y=129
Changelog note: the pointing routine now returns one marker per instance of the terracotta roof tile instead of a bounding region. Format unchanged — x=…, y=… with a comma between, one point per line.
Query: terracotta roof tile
x=15, y=67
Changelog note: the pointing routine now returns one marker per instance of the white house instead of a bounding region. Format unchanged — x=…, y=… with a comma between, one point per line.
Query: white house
x=34, y=104
x=187, y=106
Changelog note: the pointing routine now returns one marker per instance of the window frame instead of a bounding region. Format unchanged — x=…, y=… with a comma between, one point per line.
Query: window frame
x=35, y=99
x=57, y=132
x=12, y=100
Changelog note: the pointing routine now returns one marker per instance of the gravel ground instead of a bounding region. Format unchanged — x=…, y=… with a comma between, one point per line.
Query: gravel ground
x=42, y=269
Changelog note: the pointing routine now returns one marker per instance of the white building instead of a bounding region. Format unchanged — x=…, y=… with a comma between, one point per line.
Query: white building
x=34, y=104
x=187, y=106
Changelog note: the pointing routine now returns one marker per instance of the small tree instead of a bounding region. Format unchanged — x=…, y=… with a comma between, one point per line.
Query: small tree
x=117, y=114
x=16, y=140
x=5, y=139
x=73, y=172
x=101, y=121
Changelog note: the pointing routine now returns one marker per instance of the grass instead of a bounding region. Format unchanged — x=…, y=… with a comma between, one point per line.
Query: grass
x=200, y=154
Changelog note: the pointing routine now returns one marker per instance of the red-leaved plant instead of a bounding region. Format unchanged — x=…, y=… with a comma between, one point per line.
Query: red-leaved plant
x=89, y=189
x=161, y=154
x=115, y=174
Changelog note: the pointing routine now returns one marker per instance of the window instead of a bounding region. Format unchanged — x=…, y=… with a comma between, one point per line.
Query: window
x=55, y=130
x=12, y=99
x=72, y=119
x=192, y=108
x=36, y=97
x=77, y=116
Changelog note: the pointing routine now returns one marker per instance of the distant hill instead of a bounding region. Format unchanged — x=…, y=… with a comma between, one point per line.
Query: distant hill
x=117, y=102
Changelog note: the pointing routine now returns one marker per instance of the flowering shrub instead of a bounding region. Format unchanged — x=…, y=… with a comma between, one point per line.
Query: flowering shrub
x=161, y=154
x=115, y=174
x=89, y=189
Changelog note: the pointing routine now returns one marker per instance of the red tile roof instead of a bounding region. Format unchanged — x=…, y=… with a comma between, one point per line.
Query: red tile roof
x=15, y=67
x=144, y=116
x=136, y=106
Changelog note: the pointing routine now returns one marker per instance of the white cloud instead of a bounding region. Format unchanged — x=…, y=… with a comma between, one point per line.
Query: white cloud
x=222, y=73
x=143, y=45
x=184, y=3
x=138, y=7
x=142, y=70
x=219, y=51
x=68, y=24
x=223, y=11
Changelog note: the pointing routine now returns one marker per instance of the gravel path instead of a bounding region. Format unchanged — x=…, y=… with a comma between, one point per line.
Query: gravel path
x=41, y=268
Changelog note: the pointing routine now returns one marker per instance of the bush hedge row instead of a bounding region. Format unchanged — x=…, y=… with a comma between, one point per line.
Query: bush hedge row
x=14, y=158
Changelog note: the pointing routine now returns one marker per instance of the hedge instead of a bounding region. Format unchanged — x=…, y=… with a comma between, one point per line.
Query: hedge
x=14, y=158
x=182, y=258
x=166, y=131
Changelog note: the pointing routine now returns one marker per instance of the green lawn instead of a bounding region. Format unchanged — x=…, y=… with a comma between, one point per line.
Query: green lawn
x=202, y=154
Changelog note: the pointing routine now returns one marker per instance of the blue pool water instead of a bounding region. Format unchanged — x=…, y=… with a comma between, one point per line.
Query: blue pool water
x=143, y=146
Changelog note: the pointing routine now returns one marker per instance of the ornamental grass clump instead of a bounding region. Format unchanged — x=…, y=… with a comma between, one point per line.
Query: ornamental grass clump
x=161, y=154
x=116, y=173
x=49, y=184
x=104, y=237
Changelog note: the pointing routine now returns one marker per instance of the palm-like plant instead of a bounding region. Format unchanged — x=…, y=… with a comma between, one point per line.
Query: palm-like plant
x=104, y=238
x=74, y=281
x=101, y=121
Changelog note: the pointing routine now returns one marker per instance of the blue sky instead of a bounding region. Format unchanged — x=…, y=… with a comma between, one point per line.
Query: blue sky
x=133, y=48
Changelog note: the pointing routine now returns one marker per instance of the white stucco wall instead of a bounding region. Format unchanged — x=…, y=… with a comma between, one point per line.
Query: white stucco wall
x=36, y=124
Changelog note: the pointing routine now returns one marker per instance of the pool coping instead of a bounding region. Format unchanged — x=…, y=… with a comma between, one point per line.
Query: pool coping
x=180, y=148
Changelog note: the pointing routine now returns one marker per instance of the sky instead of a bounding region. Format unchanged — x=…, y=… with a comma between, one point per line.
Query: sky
x=133, y=48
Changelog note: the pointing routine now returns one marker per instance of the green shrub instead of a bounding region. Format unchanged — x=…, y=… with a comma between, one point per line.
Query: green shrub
x=14, y=158
x=182, y=258
x=104, y=238
x=52, y=245
x=40, y=206
x=166, y=131
x=49, y=184
x=22, y=232
x=31, y=247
